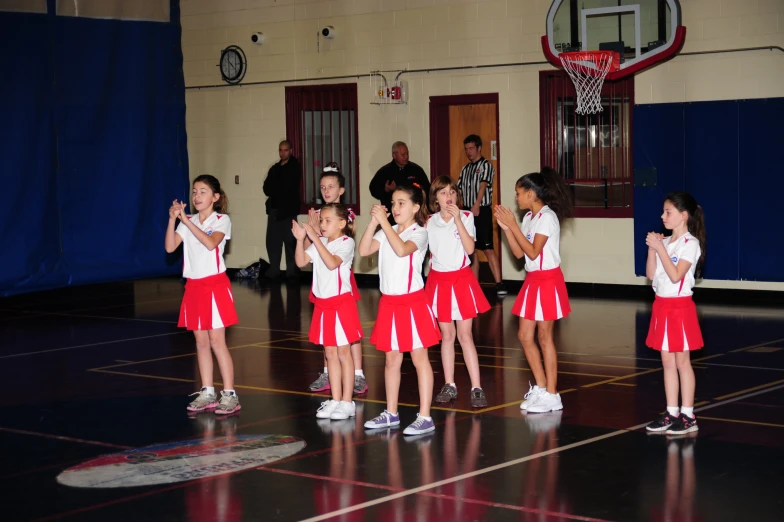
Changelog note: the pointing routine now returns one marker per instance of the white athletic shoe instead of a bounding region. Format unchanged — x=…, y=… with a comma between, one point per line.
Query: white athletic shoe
x=532, y=396
x=546, y=402
x=326, y=409
x=344, y=410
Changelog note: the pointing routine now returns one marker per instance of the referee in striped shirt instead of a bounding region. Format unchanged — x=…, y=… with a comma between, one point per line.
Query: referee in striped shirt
x=476, y=184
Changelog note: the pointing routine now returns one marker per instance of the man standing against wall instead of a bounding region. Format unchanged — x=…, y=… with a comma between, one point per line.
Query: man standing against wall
x=476, y=184
x=398, y=172
x=282, y=188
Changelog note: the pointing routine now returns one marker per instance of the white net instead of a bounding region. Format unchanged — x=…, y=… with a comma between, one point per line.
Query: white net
x=588, y=71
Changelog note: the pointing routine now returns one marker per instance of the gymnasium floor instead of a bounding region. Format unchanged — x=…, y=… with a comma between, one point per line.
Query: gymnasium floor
x=103, y=369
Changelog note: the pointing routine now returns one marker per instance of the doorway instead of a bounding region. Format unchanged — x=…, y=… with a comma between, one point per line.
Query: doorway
x=452, y=118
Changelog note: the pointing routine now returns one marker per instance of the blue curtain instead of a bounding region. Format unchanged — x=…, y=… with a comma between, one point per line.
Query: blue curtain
x=92, y=148
x=727, y=155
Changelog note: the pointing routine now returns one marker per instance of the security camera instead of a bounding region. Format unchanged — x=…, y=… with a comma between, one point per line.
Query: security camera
x=257, y=38
x=328, y=32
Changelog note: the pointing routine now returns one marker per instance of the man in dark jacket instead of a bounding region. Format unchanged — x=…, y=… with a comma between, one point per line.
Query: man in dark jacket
x=397, y=173
x=282, y=189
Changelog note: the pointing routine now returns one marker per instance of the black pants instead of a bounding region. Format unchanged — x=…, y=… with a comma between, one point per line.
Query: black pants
x=279, y=235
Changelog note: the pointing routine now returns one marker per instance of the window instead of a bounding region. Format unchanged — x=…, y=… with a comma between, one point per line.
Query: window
x=150, y=10
x=321, y=124
x=593, y=152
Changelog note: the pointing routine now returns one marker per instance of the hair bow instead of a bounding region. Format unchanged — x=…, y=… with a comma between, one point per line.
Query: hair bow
x=330, y=169
x=417, y=185
x=351, y=216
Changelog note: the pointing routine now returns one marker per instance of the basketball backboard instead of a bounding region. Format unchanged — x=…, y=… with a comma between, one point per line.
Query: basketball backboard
x=643, y=32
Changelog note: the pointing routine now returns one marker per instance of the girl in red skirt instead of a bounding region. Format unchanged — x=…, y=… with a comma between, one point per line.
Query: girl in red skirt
x=208, y=305
x=543, y=299
x=335, y=323
x=452, y=288
x=333, y=185
x=405, y=321
x=673, y=264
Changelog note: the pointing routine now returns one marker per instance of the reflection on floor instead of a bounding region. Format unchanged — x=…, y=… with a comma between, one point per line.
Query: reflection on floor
x=101, y=370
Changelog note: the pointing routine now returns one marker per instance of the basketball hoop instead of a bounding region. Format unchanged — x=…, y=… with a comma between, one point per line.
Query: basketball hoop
x=588, y=69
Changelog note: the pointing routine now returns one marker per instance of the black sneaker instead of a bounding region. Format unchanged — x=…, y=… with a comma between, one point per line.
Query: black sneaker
x=683, y=424
x=500, y=289
x=447, y=393
x=663, y=423
x=478, y=399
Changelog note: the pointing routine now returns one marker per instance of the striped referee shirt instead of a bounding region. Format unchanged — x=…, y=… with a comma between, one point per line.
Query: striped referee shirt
x=471, y=176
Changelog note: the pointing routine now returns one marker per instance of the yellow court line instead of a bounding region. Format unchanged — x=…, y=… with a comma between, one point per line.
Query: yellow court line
x=703, y=403
x=621, y=384
x=756, y=346
x=755, y=423
x=760, y=387
x=506, y=405
x=129, y=363
x=620, y=378
x=374, y=356
x=272, y=390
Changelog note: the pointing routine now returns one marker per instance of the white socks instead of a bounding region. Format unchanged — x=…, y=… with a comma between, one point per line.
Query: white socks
x=689, y=412
x=672, y=410
x=326, y=371
x=359, y=372
x=209, y=390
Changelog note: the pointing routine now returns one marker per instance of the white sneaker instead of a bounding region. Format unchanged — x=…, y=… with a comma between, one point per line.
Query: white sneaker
x=344, y=410
x=326, y=409
x=546, y=402
x=532, y=396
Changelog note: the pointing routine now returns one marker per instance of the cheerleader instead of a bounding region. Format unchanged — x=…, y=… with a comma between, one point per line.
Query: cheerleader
x=333, y=185
x=673, y=265
x=405, y=321
x=335, y=323
x=543, y=298
x=208, y=305
x=452, y=288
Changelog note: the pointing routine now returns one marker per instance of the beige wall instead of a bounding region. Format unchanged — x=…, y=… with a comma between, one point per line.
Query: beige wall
x=235, y=131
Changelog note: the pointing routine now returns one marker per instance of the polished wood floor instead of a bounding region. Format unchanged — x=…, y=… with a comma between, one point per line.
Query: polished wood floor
x=104, y=370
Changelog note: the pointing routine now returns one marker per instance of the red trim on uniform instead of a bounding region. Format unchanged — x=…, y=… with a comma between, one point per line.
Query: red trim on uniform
x=675, y=317
x=325, y=319
x=471, y=301
x=467, y=214
x=544, y=286
x=217, y=258
x=354, y=287
x=465, y=258
x=410, y=271
x=397, y=311
x=681, y=286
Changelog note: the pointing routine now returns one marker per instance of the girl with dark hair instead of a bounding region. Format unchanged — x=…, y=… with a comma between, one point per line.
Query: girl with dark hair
x=335, y=323
x=405, y=321
x=208, y=305
x=333, y=186
x=543, y=298
x=673, y=265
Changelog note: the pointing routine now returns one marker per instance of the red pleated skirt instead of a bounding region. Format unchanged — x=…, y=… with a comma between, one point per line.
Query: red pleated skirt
x=354, y=290
x=335, y=321
x=208, y=304
x=674, y=325
x=455, y=296
x=543, y=296
x=405, y=322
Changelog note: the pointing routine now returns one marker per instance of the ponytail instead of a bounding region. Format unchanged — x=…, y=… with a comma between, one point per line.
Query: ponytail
x=342, y=212
x=685, y=202
x=551, y=190
x=222, y=205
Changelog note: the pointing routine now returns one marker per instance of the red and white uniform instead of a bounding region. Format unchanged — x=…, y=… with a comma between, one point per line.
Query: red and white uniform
x=543, y=296
x=674, y=326
x=405, y=320
x=452, y=288
x=208, y=302
x=354, y=287
x=335, y=317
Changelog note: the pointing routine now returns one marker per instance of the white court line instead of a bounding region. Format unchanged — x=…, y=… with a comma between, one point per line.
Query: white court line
x=511, y=463
x=91, y=344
